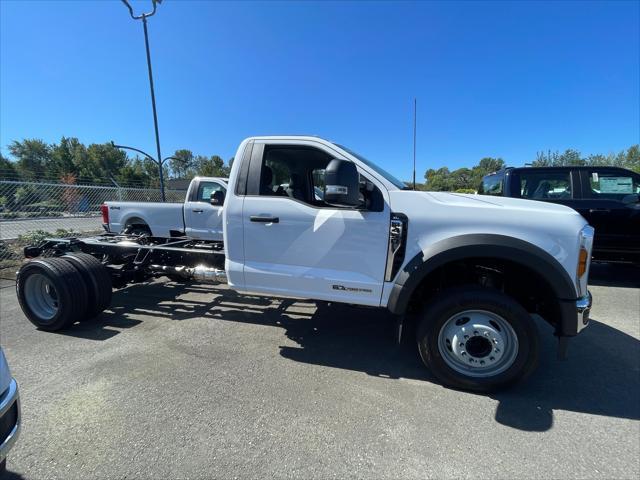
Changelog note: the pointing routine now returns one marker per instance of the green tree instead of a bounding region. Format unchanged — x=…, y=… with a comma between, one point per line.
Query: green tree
x=133, y=173
x=32, y=157
x=570, y=157
x=182, y=164
x=489, y=165
x=210, y=166
x=63, y=157
x=7, y=169
x=462, y=179
x=632, y=158
x=438, y=180
x=102, y=162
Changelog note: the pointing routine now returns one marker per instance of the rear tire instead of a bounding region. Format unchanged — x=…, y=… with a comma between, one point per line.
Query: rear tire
x=97, y=279
x=51, y=293
x=477, y=339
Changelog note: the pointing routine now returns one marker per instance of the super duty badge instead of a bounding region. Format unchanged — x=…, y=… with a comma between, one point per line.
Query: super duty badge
x=351, y=289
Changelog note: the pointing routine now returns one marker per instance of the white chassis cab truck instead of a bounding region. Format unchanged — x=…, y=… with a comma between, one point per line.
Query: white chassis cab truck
x=200, y=216
x=307, y=218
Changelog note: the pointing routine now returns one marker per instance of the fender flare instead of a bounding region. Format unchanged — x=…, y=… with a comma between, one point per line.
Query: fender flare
x=479, y=246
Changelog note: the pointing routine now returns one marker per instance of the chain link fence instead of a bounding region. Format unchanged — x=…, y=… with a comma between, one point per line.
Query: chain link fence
x=33, y=209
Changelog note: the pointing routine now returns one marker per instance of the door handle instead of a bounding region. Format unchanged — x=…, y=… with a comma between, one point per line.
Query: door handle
x=599, y=210
x=257, y=218
x=197, y=210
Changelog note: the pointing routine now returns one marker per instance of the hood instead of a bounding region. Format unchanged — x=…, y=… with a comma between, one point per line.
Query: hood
x=472, y=200
x=486, y=214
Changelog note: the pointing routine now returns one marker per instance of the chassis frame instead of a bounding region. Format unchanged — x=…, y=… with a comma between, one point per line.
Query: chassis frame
x=133, y=258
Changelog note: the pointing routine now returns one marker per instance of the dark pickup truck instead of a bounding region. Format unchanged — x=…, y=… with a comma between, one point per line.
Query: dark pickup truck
x=607, y=197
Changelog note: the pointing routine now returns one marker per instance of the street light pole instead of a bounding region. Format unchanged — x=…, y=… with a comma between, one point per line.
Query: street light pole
x=143, y=17
x=153, y=104
x=125, y=147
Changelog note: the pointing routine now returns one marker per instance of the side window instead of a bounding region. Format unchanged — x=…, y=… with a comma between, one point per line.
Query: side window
x=612, y=185
x=205, y=189
x=275, y=177
x=491, y=185
x=292, y=172
x=298, y=173
x=545, y=185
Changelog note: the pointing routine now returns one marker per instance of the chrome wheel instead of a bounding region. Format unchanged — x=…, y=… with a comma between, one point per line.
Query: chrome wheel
x=478, y=343
x=41, y=296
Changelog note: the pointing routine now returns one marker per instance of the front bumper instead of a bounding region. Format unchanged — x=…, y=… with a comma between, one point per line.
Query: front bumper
x=9, y=418
x=583, y=309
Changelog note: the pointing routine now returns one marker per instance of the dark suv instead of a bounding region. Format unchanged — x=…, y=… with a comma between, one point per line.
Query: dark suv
x=607, y=197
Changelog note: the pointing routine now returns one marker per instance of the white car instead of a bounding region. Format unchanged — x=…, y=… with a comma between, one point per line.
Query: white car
x=9, y=411
x=200, y=216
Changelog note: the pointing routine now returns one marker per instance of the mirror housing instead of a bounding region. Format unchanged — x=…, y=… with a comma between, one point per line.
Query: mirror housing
x=342, y=184
x=217, y=198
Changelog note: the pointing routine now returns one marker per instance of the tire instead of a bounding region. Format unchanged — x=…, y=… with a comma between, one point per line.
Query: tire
x=477, y=339
x=97, y=280
x=51, y=293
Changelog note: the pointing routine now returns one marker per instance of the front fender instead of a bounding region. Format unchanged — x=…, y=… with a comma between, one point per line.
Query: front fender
x=479, y=246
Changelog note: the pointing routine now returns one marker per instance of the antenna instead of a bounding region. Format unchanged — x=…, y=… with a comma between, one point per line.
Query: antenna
x=415, y=117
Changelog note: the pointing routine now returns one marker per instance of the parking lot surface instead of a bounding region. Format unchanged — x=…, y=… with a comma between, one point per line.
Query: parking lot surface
x=198, y=382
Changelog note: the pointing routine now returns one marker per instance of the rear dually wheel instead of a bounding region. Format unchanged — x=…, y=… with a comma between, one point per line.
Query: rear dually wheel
x=51, y=293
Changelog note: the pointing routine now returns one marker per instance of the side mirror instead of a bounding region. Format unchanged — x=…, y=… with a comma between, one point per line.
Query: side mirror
x=342, y=184
x=217, y=198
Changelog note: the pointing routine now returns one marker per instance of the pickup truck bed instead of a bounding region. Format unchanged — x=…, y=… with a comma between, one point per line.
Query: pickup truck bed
x=159, y=218
x=200, y=216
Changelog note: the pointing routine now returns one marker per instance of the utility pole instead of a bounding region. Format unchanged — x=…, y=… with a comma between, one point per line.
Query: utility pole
x=415, y=118
x=143, y=17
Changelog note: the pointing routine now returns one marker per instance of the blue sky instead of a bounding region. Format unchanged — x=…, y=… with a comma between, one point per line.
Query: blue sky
x=492, y=79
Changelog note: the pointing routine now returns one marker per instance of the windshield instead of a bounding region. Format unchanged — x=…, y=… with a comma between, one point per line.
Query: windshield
x=390, y=178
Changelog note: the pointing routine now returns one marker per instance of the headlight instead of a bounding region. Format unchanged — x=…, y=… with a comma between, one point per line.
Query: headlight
x=584, y=259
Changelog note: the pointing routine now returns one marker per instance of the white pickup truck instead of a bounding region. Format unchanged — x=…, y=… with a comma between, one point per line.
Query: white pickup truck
x=200, y=216
x=307, y=218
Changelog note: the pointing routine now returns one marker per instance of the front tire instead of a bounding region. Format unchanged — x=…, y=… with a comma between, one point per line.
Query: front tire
x=477, y=339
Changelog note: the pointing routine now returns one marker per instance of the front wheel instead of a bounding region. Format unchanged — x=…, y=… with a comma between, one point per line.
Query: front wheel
x=477, y=339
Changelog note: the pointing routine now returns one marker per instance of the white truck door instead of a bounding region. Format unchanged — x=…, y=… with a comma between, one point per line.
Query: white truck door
x=203, y=220
x=296, y=245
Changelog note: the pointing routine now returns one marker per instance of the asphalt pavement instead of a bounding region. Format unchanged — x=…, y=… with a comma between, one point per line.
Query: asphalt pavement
x=198, y=382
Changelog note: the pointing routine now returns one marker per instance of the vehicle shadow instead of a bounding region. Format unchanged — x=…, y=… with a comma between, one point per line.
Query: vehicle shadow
x=614, y=275
x=9, y=475
x=101, y=328
x=599, y=378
